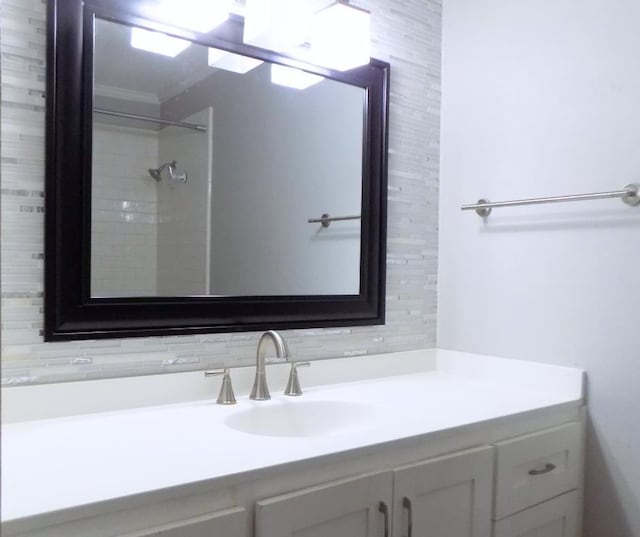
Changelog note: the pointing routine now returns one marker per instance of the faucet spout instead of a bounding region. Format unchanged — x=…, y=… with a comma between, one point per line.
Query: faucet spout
x=260, y=391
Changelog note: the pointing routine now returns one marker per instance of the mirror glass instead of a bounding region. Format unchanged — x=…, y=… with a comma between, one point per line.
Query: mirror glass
x=204, y=178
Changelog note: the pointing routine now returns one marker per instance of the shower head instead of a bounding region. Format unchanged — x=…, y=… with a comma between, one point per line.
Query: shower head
x=156, y=173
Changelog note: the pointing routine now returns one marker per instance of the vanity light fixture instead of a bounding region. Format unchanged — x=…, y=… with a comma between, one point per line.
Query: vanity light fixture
x=293, y=78
x=277, y=25
x=197, y=15
x=340, y=37
x=236, y=63
x=157, y=42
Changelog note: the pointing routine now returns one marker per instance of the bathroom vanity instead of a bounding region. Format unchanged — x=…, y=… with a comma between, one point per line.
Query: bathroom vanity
x=419, y=443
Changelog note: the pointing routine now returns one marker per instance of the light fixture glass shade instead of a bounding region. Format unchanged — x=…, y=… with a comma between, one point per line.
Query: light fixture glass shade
x=157, y=42
x=293, y=78
x=340, y=37
x=231, y=62
x=197, y=15
x=276, y=25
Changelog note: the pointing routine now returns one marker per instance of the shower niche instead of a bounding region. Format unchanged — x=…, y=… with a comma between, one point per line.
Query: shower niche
x=204, y=185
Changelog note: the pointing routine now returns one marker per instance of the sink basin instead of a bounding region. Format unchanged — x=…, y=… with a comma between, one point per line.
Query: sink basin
x=301, y=418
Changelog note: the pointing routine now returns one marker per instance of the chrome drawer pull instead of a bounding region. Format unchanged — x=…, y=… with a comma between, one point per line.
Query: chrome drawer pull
x=406, y=504
x=382, y=508
x=544, y=470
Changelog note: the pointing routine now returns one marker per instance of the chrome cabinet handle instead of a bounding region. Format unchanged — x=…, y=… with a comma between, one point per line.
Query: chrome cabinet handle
x=406, y=504
x=544, y=470
x=384, y=509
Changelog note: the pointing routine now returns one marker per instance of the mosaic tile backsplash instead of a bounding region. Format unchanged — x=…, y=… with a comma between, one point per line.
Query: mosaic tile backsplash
x=406, y=33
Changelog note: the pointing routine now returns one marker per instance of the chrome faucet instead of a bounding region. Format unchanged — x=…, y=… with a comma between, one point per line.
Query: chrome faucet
x=260, y=391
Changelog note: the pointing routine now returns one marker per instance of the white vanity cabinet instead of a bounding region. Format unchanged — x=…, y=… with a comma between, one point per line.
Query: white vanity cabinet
x=505, y=487
x=534, y=494
x=226, y=523
x=448, y=495
x=469, y=447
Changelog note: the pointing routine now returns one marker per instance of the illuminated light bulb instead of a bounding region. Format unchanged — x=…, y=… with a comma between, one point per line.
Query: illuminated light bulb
x=231, y=62
x=293, y=78
x=276, y=25
x=157, y=42
x=340, y=37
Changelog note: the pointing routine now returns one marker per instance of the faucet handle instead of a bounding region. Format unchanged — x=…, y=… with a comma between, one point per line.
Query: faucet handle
x=293, y=386
x=226, y=395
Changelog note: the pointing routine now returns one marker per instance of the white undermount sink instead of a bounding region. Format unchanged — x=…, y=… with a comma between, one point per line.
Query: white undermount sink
x=301, y=418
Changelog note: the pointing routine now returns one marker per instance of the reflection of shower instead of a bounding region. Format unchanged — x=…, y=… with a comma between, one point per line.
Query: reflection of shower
x=156, y=173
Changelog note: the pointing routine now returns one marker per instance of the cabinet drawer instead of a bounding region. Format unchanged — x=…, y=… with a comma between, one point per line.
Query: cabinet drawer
x=553, y=518
x=536, y=467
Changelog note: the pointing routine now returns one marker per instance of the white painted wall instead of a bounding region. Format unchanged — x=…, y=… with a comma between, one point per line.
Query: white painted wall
x=543, y=98
x=123, y=212
x=282, y=156
x=184, y=209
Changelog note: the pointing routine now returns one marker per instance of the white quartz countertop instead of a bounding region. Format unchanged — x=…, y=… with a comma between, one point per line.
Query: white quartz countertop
x=67, y=462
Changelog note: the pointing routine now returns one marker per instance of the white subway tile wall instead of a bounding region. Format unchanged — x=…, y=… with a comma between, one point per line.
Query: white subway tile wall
x=124, y=209
x=406, y=33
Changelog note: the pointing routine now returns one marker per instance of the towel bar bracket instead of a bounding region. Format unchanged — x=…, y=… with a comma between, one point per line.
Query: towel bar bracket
x=633, y=198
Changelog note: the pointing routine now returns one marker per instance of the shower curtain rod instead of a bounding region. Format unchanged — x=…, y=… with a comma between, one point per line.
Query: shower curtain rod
x=194, y=126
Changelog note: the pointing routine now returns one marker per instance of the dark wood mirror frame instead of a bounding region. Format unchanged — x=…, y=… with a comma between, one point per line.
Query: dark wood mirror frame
x=70, y=311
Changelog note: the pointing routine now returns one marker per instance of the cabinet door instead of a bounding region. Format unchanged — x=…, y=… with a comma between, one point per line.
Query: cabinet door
x=449, y=496
x=554, y=518
x=358, y=507
x=227, y=523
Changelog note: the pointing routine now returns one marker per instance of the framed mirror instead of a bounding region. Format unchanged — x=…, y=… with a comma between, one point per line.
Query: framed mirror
x=197, y=184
